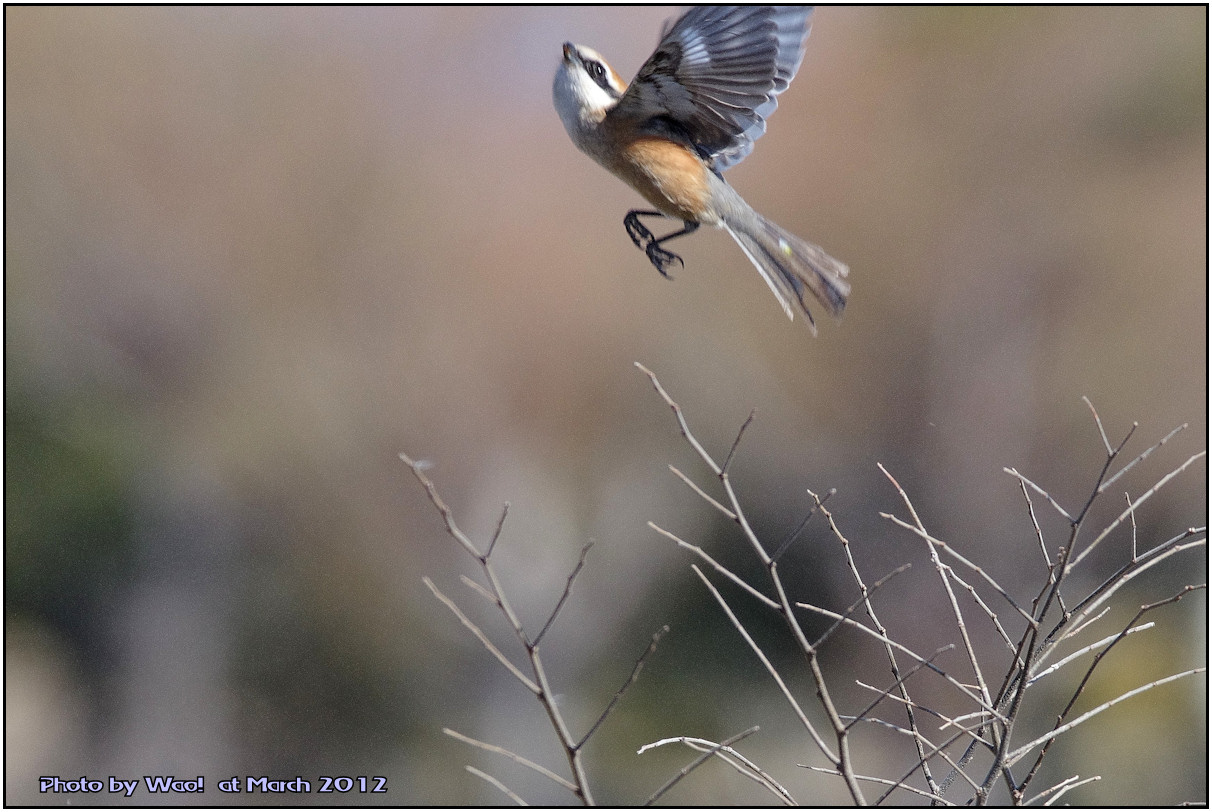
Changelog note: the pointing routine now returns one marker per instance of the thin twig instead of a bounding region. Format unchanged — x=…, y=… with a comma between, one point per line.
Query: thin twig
x=1074, y=631
x=1041, y=492
x=720, y=568
x=743, y=522
x=881, y=695
x=1133, y=506
x=1111, y=480
x=685, y=771
x=1098, y=658
x=513, y=796
x=1098, y=422
x=483, y=638
x=842, y=760
x=737, y=441
x=734, y=759
x=443, y=508
x=1017, y=754
x=1039, y=535
x=957, y=768
x=1060, y=791
x=1126, y=574
x=706, y=498
x=979, y=601
x=496, y=534
x=539, y=684
x=1128, y=499
x=480, y=590
x=800, y=527
x=947, y=548
x=1086, y=650
x=525, y=762
x=572, y=576
x=635, y=673
x=1112, y=454
x=740, y=627
x=959, y=723
x=883, y=632
x=956, y=612
x=892, y=785
x=852, y=608
x=888, y=641
x=677, y=412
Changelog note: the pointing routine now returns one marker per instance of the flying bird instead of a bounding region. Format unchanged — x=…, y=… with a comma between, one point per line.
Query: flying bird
x=694, y=110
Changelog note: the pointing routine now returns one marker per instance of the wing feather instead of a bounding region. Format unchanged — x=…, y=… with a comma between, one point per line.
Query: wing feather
x=716, y=74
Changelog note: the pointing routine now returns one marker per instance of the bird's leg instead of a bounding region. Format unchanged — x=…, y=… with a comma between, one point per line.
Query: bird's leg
x=646, y=241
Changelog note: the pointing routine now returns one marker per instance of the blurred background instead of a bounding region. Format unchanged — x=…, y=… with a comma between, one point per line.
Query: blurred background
x=252, y=254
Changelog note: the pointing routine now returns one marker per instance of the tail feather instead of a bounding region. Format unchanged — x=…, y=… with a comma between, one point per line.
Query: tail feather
x=791, y=266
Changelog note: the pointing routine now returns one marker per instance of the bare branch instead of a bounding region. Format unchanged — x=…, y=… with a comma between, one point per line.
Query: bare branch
x=883, y=631
x=712, y=749
x=737, y=441
x=734, y=759
x=482, y=591
x=635, y=673
x=973, y=731
x=1115, y=641
x=1047, y=742
x=784, y=605
x=1139, y=458
x=525, y=762
x=941, y=750
x=740, y=627
x=496, y=783
x=888, y=641
x=892, y=785
x=1086, y=650
x=443, y=508
x=956, y=612
x=1098, y=422
x=979, y=601
x=496, y=534
x=539, y=685
x=743, y=522
x=1041, y=492
x=483, y=638
x=886, y=693
x=572, y=576
x=708, y=499
x=1061, y=788
x=1139, y=501
x=720, y=568
x=947, y=548
x=1129, y=571
x=1017, y=754
x=800, y=527
x=677, y=412
x=852, y=608
x=1078, y=629
x=1128, y=499
x=1039, y=534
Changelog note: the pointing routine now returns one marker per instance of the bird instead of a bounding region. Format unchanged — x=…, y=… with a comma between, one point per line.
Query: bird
x=692, y=111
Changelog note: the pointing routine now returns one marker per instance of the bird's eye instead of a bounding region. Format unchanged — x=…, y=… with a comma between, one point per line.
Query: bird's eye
x=597, y=72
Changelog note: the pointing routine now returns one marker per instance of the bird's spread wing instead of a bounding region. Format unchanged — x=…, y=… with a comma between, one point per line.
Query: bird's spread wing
x=715, y=76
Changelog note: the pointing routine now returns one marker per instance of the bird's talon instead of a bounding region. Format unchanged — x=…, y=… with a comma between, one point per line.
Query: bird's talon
x=663, y=259
x=639, y=233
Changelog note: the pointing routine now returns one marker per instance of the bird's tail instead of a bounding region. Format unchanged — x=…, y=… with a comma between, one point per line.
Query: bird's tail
x=791, y=266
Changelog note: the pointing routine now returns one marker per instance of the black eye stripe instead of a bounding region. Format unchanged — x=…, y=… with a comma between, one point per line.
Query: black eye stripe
x=597, y=72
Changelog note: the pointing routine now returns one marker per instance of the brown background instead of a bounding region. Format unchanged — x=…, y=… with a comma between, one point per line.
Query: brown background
x=254, y=253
